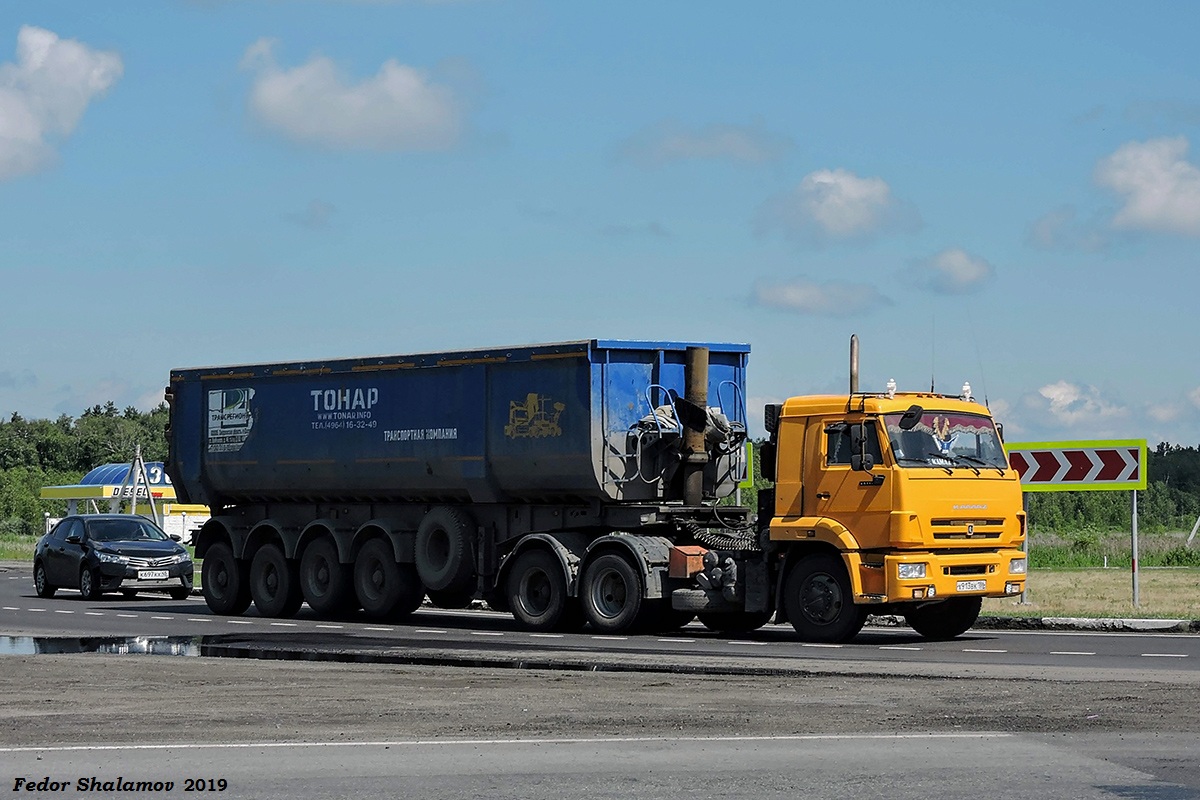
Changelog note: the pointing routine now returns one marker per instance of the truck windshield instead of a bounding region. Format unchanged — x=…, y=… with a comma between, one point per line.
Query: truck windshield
x=947, y=440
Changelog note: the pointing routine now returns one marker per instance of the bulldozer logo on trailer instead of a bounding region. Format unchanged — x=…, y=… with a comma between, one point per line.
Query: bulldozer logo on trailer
x=535, y=417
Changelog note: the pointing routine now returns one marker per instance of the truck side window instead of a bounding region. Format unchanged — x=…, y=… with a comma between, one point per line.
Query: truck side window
x=837, y=445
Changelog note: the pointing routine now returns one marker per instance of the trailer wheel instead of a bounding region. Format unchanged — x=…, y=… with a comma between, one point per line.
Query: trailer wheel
x=326, y=583
x=225, y=581
x=819, y=601
x=945, y=620
x=386, y=589
x=274, y=583
x=612, y=594
x=734, y=621
x=537, y=593
x=445, y=552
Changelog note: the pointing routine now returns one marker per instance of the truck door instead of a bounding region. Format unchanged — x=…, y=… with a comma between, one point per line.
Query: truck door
x=856, y=499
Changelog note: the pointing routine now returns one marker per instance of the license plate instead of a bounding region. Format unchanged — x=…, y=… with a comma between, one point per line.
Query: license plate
x=972, y=586
x=157, y=575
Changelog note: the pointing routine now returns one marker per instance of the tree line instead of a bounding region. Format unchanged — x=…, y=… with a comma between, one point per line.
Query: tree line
x=39, y=452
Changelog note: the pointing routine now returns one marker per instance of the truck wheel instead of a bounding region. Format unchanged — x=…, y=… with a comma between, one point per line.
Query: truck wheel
x=445, y=552
x=274, y=583
x=612, y=594
x=225, y=581
x=945, y=620
x=386, y=589
x=734, y=621
x=326, y=583
x=537, y=593
x=819, y=601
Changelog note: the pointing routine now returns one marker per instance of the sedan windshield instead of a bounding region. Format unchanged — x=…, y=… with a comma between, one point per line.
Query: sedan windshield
x=124, y=530
x=947, y=439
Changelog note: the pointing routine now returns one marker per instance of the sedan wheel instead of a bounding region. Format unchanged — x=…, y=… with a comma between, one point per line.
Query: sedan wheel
x=89, y=586
x=41, y=583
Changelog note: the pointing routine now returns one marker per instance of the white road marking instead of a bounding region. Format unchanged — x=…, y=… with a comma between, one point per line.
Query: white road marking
x=35, y=610
x=814, y=644
x=897, y=647
x=735, y=641
x=94, y=613
x=612, y=638
x=541, y=635
x=1164, y=655
x=1071, y=653
x=240, y=621
x=162, y=618
x=127, y=616
x=434, y=630
x=62, y=611
x=284, y=624
x=11, y=608
x=198, y=619
x=679, y=641
x=378, y=629
x=332, y=627
x=502, y=742
x=486, y=633
x=981, y=650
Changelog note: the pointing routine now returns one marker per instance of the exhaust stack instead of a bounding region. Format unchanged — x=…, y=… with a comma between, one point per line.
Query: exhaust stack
x=695, y=453
x=854, y=363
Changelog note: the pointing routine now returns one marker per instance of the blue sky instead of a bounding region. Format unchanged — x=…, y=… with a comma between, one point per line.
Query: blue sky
x=1007, y=194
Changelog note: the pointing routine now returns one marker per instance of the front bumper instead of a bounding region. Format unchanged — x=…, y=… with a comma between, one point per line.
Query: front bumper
x=127, y=576
x=972, y=574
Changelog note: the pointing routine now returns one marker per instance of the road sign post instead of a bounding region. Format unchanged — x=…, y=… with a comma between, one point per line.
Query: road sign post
x=1085, y=466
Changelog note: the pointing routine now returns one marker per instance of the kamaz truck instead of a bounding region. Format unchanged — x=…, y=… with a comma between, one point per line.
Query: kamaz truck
x=588, y=483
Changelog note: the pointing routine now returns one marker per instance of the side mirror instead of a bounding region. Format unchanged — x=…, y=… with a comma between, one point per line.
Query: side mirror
x=860, y=459
x=74, y=538
x=175, y=537
x=1000, y=431
x=911, y=417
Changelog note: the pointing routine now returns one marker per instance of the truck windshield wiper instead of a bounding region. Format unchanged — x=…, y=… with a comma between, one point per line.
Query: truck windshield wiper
x=929, y=460
x=953, y=458
x=983, y=462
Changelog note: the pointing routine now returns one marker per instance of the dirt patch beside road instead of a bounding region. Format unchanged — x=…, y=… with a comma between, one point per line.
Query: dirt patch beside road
x=93, y=699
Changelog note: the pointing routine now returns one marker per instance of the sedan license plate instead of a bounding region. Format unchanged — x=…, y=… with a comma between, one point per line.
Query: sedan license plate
x=152, y=574
x=972, y=586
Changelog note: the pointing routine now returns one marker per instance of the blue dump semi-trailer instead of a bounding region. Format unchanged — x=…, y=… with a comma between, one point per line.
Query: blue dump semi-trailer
x=566, y=483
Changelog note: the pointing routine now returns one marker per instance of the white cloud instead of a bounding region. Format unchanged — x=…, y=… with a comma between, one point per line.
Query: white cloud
x=1194, y=397
x=952, y=271
x=836, y=204
x=1161, y=188
x=831, y=299
x=399, y=108
x=668, y=141
x=1070, y=404
x=43, y=96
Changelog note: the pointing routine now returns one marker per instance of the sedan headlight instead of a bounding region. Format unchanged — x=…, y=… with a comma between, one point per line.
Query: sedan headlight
x=183, y=558
x=111, y=558
x=1016, y=566
x=909, y=571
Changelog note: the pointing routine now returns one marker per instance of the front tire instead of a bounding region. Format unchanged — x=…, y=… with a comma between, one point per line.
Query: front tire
x=226, y=582
x=945, y=620
x=89, y=584
x=274, y=583
x=41, y=583
x=820, y=602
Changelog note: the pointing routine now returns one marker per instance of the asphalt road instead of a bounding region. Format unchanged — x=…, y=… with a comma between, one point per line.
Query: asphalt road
x=433, y=634
x=441, y=711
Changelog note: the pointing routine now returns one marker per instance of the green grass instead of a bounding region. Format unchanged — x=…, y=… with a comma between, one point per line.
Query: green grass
x=16, y=547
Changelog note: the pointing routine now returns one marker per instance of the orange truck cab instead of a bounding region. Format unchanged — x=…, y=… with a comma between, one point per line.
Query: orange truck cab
x=890, y=504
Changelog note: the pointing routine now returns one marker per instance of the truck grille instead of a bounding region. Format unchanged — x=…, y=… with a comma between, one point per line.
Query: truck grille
x=966, y=569
x=967, y=528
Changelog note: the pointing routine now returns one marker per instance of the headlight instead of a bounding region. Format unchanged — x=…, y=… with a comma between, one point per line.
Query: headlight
x=111, y=558
x=183, y=558
x=1016, y=566
x=908, y=571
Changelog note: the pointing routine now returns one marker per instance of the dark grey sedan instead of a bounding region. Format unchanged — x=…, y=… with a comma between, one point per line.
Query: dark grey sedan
x=98, y=553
